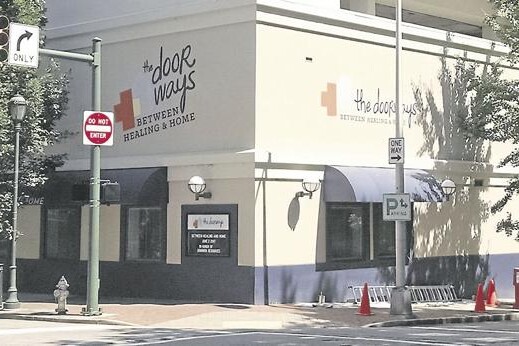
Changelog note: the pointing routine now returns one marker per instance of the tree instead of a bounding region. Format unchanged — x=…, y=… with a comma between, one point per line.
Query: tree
x=495, y=104
x=45, y=90
x=505, y=24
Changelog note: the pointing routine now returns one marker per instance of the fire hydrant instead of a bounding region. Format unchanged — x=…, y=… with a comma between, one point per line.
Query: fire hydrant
x=61, y=294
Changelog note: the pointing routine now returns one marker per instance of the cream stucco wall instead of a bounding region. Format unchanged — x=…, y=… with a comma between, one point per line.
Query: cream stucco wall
x=291, y=113
x=464, y=225
x=289, y=224
x=194, y=105
x=295, y=70
x=269, y=96
x=287, y=246
x=229, y=183
x=109, y=233
x=29, y=222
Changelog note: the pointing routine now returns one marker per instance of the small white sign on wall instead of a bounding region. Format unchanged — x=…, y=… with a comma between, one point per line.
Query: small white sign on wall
x=208, y=222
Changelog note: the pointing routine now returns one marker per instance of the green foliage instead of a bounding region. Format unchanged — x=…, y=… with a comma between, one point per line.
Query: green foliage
x=45, y=90
x=508, y=226
x=495, y=105
x=495, y=117
x=505, y=22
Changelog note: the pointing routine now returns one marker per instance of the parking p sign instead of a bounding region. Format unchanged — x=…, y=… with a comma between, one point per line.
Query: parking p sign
x=396, y=207
x=98, y=128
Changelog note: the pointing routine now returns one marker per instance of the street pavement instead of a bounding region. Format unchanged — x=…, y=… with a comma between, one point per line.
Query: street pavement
x=205, y=316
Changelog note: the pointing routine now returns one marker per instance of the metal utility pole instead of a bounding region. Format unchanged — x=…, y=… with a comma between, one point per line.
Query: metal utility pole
x=92, y=307
x=400, y=296
x=94, y=59
x=19, y=32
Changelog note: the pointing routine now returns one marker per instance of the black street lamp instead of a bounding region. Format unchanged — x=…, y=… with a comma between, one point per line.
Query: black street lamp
x=17, y=108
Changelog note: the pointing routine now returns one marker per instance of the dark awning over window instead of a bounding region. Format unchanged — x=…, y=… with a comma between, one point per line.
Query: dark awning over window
x=143, y=186
x=368, y=184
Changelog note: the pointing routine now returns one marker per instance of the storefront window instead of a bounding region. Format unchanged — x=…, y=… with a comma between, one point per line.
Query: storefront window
x=357, y=235
x=62, y=228
x=346, y=231
x=384, y=239
x=145, y=235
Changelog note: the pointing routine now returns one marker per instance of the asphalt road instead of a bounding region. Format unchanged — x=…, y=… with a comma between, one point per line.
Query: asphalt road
x=51, y=333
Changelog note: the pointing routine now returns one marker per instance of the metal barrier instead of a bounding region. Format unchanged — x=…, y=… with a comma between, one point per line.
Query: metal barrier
x=439, y=293
x=419, y=294
x=376, y=293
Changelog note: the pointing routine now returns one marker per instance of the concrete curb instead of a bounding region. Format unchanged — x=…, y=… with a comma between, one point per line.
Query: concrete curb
x=65, y=319
x=513, y=316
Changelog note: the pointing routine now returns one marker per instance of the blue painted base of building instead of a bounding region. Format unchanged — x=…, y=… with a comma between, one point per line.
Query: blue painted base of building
x=247, y=285
x=143, y=280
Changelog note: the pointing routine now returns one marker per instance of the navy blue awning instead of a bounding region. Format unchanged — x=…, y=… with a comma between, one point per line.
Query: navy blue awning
x=368, y=184
x=143, y=186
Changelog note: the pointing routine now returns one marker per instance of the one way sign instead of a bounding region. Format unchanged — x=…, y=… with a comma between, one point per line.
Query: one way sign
x=396, y=150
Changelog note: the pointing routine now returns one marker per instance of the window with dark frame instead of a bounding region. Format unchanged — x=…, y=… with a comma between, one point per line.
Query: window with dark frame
x=62, y=232
x=145, y=233
x=143, y=202
x=357, y=234
x=384, y=234
x=346, y=231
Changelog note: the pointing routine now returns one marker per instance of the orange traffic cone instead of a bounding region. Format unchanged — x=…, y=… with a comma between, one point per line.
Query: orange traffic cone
x=491, y=294
x=364, y=308
x=480, y=304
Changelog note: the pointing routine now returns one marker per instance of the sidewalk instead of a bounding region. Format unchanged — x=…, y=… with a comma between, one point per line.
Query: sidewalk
x=173, y=314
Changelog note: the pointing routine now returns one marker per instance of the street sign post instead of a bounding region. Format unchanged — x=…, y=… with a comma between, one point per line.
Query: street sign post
x=98, y=128
x=24, y=44
x=396, y=150
x=396, y=207
x=93, y=280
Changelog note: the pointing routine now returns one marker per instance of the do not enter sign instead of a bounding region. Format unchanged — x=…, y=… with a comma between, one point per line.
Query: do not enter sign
x=98, y=128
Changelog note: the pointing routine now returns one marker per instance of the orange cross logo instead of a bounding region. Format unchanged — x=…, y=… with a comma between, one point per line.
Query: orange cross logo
x=329, y=99
x=124, y=110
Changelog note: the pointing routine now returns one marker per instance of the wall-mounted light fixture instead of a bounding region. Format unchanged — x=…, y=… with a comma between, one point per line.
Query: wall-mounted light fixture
x=197, y=186
x=448, y=188
x=309, y=187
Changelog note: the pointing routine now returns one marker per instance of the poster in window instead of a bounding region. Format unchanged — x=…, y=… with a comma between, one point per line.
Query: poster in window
x=208, y=235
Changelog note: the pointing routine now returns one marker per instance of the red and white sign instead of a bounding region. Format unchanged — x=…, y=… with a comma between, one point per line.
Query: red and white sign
x=98, y=128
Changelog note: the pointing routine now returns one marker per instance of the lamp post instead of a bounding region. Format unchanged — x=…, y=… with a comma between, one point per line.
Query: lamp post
x=17, y=108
